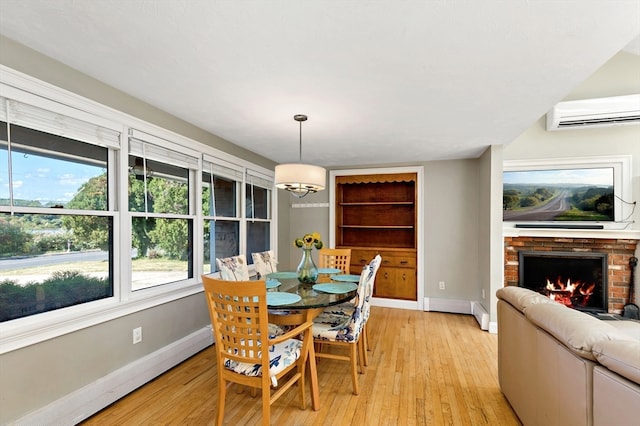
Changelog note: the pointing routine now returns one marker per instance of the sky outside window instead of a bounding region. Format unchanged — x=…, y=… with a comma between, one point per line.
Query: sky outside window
x=45, y=179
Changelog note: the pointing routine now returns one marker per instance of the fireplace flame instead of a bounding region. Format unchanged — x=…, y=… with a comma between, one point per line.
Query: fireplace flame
x=569, y=293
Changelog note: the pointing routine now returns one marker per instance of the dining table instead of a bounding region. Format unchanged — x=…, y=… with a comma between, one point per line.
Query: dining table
x=292, y=302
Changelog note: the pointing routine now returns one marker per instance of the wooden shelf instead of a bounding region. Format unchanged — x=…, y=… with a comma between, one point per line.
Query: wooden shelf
x=378, y=226
x=378, y=214
x=378, y=203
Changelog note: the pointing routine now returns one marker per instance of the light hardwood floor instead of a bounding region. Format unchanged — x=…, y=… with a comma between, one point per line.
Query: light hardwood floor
x=425, y=368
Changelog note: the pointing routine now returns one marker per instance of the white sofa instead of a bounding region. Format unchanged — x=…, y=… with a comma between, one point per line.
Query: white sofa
x=559, y=366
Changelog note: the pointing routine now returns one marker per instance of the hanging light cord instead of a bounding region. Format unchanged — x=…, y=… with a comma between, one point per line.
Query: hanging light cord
x=300, y=123
x=300, y=118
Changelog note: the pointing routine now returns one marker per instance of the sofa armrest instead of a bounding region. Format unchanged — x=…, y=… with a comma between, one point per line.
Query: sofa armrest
x=520, y=297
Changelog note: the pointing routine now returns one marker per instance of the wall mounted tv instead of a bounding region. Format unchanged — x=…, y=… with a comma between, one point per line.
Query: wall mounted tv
x=563, y=194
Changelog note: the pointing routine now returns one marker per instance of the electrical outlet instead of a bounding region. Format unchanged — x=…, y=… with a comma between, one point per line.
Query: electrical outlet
x=137, y=335
x=483, y=293
x=441, y=284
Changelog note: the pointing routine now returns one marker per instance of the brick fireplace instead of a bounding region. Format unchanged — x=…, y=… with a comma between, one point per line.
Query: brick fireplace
x=618, y=251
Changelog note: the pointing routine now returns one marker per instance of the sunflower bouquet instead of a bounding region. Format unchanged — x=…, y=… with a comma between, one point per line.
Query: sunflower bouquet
x=309, y=241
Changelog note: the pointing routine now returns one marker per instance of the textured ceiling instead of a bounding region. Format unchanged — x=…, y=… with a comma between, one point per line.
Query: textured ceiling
x=381, y=81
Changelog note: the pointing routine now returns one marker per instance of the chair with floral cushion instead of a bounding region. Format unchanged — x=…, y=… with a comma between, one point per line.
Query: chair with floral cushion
x=240, y=326
x=337, y=329
x=265, y=263
x=346, y=310
x=233, y=268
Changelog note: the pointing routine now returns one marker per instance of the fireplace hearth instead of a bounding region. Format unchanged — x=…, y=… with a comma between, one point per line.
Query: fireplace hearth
x=575, y=279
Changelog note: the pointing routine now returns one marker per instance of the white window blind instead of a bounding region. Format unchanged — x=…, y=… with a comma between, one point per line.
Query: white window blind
x=3, y=109
x=55, y=123
x=258, y=179
x=222, y=168
x=151, y=147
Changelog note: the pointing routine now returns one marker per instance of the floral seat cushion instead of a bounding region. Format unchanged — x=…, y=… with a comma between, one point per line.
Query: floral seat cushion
x=275, y=330
x=281, y=355
x=337, y=327
x=346, y=321
x=335, y=314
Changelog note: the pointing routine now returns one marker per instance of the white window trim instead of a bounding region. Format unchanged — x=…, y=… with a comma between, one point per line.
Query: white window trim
x=30, y=330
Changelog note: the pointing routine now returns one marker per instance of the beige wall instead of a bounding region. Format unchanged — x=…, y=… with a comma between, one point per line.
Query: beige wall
x=300, y=221
x=490, y=242
x=460, y=198
x=451, y=228
x=37, y=375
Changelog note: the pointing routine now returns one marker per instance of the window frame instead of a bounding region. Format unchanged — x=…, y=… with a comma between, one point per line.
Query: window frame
x=21, y=332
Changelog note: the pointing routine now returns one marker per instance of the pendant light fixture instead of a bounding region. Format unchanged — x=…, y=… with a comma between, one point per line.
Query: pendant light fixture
x=298, y=178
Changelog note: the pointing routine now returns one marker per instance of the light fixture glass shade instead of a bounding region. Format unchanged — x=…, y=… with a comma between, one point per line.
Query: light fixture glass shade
x=300, y=179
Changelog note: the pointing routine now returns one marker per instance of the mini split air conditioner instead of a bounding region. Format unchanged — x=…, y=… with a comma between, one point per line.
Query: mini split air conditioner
x=590, y=113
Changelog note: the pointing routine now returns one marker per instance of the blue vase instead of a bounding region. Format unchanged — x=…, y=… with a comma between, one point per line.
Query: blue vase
x=307, y=270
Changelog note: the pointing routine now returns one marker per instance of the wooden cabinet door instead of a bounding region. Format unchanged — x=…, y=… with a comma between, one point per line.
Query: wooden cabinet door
x=397, y=283
x=396, y=278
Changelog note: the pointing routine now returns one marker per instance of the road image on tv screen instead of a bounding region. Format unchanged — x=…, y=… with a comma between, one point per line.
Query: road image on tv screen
x=559, y=195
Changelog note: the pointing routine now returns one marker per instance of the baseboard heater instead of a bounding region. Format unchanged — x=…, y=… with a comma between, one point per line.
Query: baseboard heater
x=557, y=226
x=481, y=315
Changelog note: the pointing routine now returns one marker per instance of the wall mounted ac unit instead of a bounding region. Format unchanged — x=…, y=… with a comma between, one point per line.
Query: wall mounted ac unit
x=590, y=113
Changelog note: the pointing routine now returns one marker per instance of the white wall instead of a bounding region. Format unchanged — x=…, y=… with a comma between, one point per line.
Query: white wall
x=619, y=76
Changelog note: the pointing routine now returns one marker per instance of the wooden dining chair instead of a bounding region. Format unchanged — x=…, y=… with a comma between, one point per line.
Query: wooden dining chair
x=347, y=331
x=240, y=327
x=233, y=268
x=265, y=263
x=335, y=258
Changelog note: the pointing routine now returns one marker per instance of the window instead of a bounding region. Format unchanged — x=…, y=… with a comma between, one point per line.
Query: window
x=160, y=187
x=258, y=202
x=56, y=219
x=225, y=222
x=221, y=210
x=95, y=225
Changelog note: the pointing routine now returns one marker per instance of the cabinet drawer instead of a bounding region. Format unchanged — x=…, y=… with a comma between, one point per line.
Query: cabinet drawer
x=399, y=261
x=360, y=258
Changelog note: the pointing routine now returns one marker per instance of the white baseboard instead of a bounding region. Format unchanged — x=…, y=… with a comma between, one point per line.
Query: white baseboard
x=394, y=303
x=454, y=306
x=88, y=400
x=457, y=306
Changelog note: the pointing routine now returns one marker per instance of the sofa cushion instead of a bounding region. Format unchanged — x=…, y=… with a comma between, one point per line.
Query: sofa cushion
x=574, y=329
x=619, y=356
x=520, y=297
x=628, y=327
